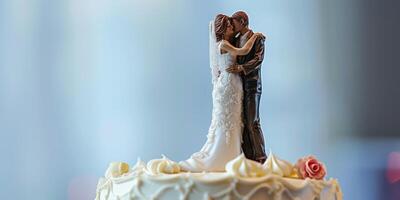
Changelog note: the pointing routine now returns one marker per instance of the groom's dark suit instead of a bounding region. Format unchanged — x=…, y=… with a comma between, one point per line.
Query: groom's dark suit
x=253, y=139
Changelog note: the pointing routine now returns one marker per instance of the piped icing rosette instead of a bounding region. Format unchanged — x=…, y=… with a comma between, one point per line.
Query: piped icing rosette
x=278, y=166
x=245, y=168
x=162, y=166
x=117, y=169
x=139, y=167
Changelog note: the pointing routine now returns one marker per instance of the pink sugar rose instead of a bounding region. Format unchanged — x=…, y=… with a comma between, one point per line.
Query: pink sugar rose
x=310, y=167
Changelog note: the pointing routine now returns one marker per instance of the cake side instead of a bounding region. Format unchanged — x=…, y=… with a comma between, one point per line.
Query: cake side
x=243, y=179
x=204, y=186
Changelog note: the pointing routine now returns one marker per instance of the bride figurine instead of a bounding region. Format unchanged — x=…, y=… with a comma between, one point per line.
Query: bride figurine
x=225, y=133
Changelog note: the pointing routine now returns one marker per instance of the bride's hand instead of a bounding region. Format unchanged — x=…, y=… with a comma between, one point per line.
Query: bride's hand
x=234, y=69
x=259, y=34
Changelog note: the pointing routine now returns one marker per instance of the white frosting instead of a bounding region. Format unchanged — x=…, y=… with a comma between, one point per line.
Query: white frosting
x=244, y=179
x=243, y=167
x=162, y=166
x=139, y=167
x=117, y=169
x=278, y=166
x=217, y=186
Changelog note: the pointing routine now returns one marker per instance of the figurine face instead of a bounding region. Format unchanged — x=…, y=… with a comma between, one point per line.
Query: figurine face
x=229, y=30
x=237, y=25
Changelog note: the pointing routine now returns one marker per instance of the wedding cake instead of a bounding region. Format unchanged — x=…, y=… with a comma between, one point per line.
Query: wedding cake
x=244, y=179
x=232, y=164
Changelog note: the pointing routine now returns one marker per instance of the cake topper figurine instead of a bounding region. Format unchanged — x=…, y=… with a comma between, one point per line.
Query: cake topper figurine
x=235, y=65
x=249, y=68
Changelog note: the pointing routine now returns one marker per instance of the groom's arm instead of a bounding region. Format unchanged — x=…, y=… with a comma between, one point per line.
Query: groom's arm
x=255, y=63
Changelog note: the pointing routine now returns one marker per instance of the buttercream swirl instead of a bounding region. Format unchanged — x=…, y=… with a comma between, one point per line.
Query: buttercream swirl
x=162, y=166
x=277, y=166
x=139, y=167
x=245, y=168
x=117, y=169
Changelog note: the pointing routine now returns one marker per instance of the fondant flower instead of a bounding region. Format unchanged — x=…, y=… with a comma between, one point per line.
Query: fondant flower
x=310, y=167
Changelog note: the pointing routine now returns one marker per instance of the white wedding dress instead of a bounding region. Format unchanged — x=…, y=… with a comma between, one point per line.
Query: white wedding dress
x=224, y=136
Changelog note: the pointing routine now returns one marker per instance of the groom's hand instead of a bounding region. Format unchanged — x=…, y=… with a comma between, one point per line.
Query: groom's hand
x=234, y=69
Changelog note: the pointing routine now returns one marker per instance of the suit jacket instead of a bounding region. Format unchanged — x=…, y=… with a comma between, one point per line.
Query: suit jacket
x=251, y=65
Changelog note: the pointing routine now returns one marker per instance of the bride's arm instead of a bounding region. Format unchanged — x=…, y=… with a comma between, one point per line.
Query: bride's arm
x=226, y=46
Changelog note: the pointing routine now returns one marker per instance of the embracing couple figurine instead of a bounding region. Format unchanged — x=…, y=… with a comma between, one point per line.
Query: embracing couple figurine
x=236, y=54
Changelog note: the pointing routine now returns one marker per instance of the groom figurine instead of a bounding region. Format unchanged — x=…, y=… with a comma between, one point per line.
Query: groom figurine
x=249, y=67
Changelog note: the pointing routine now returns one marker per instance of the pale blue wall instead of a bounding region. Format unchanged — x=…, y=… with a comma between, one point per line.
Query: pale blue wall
x=85, y=82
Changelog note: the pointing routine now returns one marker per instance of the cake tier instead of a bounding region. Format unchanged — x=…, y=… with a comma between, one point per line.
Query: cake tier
x=215, y=186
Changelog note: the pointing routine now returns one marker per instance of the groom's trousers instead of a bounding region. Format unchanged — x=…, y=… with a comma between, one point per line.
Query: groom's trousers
x=253, y=140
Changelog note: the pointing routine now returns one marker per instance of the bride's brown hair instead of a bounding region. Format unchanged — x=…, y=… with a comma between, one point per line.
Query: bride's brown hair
x=220, y=23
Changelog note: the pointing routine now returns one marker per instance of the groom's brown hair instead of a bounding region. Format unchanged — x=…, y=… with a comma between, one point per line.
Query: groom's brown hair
x=242, y=17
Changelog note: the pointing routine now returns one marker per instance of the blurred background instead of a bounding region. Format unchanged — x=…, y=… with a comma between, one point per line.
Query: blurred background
x=87, y=82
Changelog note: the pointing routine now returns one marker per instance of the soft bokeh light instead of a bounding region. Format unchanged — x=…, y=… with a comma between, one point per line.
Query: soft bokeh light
x=84, y=83
x=393, y=167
